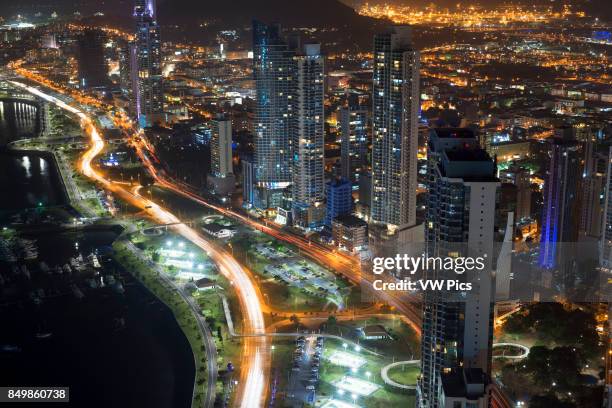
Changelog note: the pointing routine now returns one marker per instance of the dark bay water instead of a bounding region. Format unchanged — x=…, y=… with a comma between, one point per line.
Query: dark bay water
x=29, y=179
x=112, y=349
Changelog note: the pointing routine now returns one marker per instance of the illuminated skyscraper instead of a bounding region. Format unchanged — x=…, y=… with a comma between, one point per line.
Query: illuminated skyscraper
x=146, y=66
x=354, y=141
x=274, y=70
x=221, y=179
x=560, y=213
x=606, y=225
x=457, y=332
x=395, y=97
x=308, y=139
x=125, y=68
x=593, y=195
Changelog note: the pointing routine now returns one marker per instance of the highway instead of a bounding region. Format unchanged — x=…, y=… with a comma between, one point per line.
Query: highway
x=344, y=264
x=255, y=362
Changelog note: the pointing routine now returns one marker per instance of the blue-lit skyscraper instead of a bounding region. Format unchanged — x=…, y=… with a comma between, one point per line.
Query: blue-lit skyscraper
x=308, y=139
x=146, y=66
x=274, y=70
x=339, y=199
x=560, y=212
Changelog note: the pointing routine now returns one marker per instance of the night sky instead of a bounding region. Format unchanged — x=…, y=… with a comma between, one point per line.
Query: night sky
x=599, y=7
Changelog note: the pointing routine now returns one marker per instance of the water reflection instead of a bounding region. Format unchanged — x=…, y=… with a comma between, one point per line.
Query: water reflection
x=25, y=163
x=28, y=180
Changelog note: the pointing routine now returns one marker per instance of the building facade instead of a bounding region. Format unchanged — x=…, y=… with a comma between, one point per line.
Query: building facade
x=353, y=121
x=221, y=179
x=308, y=139
x=274, y=73
x=350, y=233
x=395, y=96
x=457, y=333
x=561, y=213
x=93, y=70
x=339, y=200
x=146, y=66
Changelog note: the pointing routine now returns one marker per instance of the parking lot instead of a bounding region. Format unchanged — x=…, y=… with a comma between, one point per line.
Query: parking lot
x=304, y=381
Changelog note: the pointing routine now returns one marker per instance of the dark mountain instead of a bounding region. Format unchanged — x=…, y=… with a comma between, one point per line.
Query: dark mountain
x=295, y=13
x=197, y=19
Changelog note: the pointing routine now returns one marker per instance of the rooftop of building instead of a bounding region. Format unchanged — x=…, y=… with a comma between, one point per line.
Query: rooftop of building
x=351, y=221
x=453, y=133
x=337, y=182
x=205, y=283
x=468, y=164
x=468, y=155
x=464, y=383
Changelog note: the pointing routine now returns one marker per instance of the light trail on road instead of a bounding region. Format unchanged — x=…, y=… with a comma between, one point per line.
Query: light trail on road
x=346, y=265
x=256, y=353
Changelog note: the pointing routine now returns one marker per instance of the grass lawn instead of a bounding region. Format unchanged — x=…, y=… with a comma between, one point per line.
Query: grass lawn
x=404, y=374
x=289, y=298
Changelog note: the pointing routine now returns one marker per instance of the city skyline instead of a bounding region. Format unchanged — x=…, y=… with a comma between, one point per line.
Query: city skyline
x=289, y=205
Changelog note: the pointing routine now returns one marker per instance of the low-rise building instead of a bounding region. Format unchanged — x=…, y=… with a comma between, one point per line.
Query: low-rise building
x=350, y=233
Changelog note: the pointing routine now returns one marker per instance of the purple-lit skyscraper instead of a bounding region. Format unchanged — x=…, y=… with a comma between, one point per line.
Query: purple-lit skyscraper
x=146, y=66
x=560, y=215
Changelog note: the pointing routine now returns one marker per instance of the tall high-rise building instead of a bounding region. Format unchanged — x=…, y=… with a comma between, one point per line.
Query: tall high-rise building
x=560, y=212
x=308, y=139
x=221, y=179
x=274, y=71
x=522, y=180
x=606, y=225
x=125, y=67
x=146, y=66
x=395, y=97
x=353, y=121
x=457, y=334
x=221, y=147
x=248, y=181
x=92, y=67
x=593, y=180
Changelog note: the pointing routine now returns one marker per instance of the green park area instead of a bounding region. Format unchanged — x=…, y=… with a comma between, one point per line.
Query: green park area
x=566, y=358
x=353, y=375
x=405, y=374
x=289, y=281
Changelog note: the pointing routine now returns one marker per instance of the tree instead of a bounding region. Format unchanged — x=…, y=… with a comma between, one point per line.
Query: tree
x=549, y=401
